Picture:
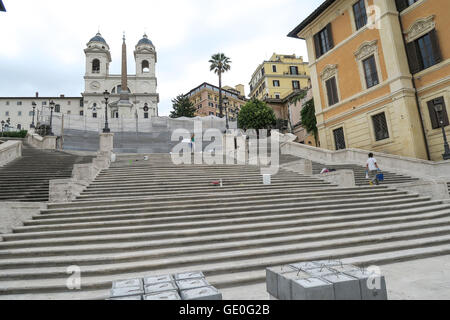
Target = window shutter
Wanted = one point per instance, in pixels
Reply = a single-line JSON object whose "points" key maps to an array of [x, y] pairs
{"points": [[329, 93], [317, 45], [433, 115], [435, 44], [414, 64], [334, 88], [330, 36], [401, 5], [440, 100]]}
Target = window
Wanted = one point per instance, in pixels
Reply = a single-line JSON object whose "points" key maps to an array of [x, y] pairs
{"points": [[332, 91], [81, 113], [19, 113], [263, 72], [145, 115], [296, 84], [7, 113], [274, 68], [69, 103], [7, 103], [19, 103], [44, 103], [293, 70], [277, 96], [145, 66], [81, 103], [403, 4], [323, 41], [69, 112], [438, 116], [94, 114], [380, 127], [276, 83], [57, 108], [19, 127], [359, 10], [95, 66], [30, 113], [339, 139], [370, 72], [424, 52]]}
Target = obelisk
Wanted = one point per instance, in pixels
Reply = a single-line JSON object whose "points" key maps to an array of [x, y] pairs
{"points": [[124, 92]]}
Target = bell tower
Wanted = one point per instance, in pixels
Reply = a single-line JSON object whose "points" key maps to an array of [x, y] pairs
{"points": [[98, 57], [145, 56]]}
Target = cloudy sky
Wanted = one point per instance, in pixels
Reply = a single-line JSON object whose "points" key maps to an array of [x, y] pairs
{"points": [[42, 41]]}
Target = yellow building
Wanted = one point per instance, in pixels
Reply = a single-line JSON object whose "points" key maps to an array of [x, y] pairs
{"points": [[279, 77], [205, 98], [380, 72]]}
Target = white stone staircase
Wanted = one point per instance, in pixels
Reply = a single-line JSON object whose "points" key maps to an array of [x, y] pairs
{"points": [[152, 217]]}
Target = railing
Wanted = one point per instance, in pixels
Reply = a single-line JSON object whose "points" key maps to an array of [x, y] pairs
{"points": [[9, 151], [408, 166]]}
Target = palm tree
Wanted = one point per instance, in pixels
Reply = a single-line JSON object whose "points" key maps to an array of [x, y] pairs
{"points": [[220, 64]]}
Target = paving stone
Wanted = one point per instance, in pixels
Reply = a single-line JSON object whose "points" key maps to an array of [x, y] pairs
{"points": [[272, 278], [367, 282], [312, 289], [203, 293], [127, 298], [166, 295], [127, 283], [284, 283], [345, 287], [189, 275], [160, 287], [157, 279], [192, 284], [127, 291]]}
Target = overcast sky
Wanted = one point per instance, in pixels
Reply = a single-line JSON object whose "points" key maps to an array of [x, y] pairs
{"points": [[42, 41]]}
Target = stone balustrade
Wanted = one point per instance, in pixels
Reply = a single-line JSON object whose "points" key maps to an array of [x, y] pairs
{"points": [[9, 151], [44, 143]]}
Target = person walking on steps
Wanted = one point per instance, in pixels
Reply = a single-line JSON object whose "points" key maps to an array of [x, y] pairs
{"points": [[372, 170]]}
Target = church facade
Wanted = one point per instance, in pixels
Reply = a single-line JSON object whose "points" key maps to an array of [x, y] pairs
{"points": [[131, 96]]}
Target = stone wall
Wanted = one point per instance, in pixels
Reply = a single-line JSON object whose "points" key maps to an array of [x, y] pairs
{"points": [[45, 143], [13, 214], [9, 151]]}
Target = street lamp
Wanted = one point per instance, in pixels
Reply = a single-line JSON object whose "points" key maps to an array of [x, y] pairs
{"points": [[52, 105], [34, 108], [225, 102], [439, 111], [106, 95], [3, 125]]}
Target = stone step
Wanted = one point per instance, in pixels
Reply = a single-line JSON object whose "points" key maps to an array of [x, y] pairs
{"points": [[406, 230], [216, 210], [127, 235], [55, 280], [52, 215], [148, 221], [341, 221]]}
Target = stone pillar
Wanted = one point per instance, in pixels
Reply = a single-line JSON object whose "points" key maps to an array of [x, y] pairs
{"points": [[106, 142], [49, 143]]}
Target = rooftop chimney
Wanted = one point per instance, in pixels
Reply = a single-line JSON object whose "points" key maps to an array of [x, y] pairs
{"points": [[37, 94]]}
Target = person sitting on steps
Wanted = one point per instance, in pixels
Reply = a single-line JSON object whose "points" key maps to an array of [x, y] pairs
{"points": [[372, 170]]}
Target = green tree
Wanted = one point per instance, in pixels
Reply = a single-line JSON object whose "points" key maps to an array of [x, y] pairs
{"points": [[256, 114], [308, 116], [182, 107], [220, 64]]}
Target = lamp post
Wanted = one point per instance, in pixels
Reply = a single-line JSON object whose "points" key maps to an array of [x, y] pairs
{"points": [[106, 95], [52, 105], [3, 125], [439, 111], [225, 102], [34, 108]]}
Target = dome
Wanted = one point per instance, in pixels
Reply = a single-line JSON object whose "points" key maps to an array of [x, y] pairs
{"points": [[145, 40], [98, 38]]}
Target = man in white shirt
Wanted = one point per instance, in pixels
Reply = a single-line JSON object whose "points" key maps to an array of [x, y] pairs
{"points": [[372, 169]]}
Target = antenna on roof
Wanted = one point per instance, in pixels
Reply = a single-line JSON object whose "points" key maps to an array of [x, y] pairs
{"points": [[2, 6]]}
